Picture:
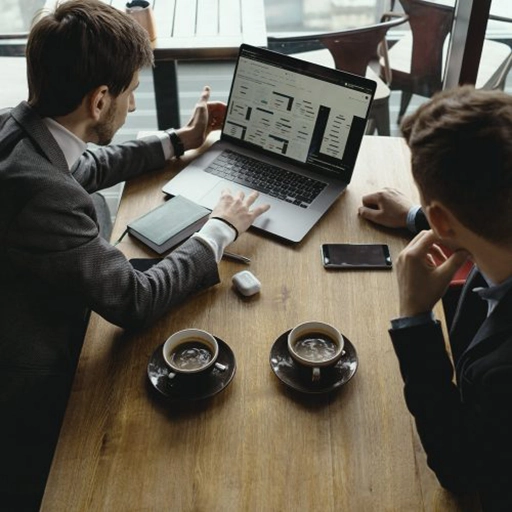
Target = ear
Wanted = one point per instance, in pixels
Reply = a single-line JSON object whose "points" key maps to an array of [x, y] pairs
{"points": [[98, 101], [441, 220]]}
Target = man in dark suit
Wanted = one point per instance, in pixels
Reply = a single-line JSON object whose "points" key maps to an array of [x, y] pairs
{"points": [[461, 148], [83, 62]]}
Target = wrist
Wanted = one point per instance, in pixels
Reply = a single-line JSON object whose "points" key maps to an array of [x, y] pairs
{"points": [[187, 138], [176, 143], [410, 310]]}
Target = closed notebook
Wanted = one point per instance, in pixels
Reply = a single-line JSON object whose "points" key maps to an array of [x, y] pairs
{"points": [[169, 224]]}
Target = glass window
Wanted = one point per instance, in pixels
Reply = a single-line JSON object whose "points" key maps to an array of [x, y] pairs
{"points": [[321, 15], [17, 15]]}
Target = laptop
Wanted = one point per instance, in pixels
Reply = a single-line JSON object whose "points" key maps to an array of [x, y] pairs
{"points": [[292, 132]]}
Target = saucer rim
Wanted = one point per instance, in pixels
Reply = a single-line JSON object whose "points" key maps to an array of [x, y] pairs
{"points": [[303, 389], [223, 347]]}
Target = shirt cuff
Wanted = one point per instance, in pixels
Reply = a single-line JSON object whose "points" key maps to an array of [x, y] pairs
{"points": [[411, 218], [166, 145], [413, 321], [217, 235]]}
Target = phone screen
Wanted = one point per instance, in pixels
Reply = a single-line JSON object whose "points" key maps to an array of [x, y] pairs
{"points": [[354, 256]]}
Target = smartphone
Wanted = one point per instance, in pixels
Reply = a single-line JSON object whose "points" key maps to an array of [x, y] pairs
{"points": [[356, 256]]}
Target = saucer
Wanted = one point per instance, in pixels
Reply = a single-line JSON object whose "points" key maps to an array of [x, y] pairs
{"points": [[188, 387], [292, 374]]}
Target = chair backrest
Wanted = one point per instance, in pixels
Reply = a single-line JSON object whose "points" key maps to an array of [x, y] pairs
{"points": [[430, 25], [351, 49]]}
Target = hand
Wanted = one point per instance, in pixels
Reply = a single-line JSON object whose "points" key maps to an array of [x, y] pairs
{"points": [[388, 207], [236, 209], [207, 116], [424, 273]]}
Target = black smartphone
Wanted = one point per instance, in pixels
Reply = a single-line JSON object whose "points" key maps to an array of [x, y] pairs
{"points": [[356, 256]]}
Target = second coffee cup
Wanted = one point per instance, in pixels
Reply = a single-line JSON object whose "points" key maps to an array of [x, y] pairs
{"points": [[315, 345]]}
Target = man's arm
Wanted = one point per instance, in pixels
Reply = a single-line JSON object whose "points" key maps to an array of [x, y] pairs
{"points": [[109, 165], [55, 236], [104, 167], [466, 439], [450, 430]]}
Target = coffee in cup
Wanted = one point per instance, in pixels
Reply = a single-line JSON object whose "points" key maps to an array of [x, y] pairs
{"points": [[315, 345], [191, 352]]}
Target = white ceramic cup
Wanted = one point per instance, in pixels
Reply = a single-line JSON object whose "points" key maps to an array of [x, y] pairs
{"points": [[173, 352], [315, 345]]}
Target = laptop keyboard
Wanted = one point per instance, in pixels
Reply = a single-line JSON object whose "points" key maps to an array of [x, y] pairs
{"points": [[269, 179]]}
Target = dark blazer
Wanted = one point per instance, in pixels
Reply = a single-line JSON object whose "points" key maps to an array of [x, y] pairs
{"points": [[465, 426], [54, 268], [420, 221]]}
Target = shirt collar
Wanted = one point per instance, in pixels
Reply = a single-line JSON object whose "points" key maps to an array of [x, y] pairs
{"points": [[69, 143], [495, 292]]}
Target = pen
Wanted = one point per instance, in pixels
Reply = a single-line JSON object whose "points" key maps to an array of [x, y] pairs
{"points": [[236, 257]]}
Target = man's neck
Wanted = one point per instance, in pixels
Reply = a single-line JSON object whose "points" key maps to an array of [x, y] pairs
{"points": [[71, 145], [75, 124], [494, 261]]}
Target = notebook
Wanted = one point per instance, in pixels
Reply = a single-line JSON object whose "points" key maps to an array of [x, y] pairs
{"points": [[292, 131]]}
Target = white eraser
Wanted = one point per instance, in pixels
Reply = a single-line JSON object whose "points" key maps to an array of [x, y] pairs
{"points": [[246, 283]]}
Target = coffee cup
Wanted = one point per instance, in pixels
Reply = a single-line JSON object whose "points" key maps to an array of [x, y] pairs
{"points": [[191, 352], [142, 12], [316, 346]]}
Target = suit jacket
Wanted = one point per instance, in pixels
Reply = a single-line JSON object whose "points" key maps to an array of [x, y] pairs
{"points": [[420, 221], [54, 267], [465, 426]]}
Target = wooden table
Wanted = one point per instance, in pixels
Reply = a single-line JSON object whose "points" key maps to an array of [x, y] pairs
{"points": [[256, 446]]}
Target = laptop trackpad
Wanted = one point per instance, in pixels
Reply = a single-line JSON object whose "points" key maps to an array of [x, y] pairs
{"points": [[212, 197]]}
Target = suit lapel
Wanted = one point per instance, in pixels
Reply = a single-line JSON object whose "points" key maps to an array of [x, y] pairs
{"points": [[25, 115], [475, 330], [498, 322], [469, 316]]}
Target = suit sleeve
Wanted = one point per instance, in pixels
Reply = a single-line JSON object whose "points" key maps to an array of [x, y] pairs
{"points": [[420, 221], [106, 166], [56, 239], [466, 438]]}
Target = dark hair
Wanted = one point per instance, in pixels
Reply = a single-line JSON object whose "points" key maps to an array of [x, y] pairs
{"points": [[461, 155], [82, 45]]}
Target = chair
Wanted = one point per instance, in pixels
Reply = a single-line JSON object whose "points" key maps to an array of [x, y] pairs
{"points": [[349, 50], [417, 60]]}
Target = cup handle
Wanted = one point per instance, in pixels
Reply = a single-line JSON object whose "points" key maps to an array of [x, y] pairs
{"points": [[221, 367], [315, 375]]}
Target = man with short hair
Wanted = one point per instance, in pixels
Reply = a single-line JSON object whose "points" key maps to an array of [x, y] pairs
{"points": [[461, 151], [83, 62]]}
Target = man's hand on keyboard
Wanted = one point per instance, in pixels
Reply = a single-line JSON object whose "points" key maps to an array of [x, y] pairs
{"points": [[236, 209]]}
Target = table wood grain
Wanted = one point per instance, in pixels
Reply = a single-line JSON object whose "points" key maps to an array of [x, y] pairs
{"points": [[256, 446]]}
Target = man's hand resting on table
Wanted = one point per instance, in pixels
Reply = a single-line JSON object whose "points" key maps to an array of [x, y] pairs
{"points": [[421, 281], [207, 116], [388, 207]]}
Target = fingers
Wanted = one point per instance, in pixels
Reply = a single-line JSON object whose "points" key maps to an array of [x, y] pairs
{"points": [[251, 198], [370, 199], [216, 114], [258, 210], [426, 244], [205, 94], [455, 261], [237, 208], [369, 213]]}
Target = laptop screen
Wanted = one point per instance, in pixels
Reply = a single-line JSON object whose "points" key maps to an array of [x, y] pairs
{"points": [[301, 112]]}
